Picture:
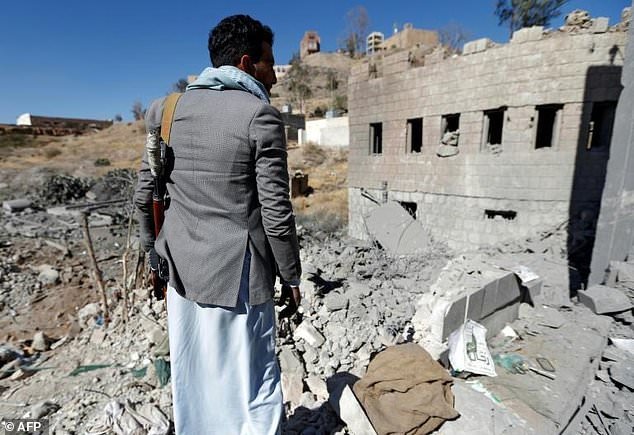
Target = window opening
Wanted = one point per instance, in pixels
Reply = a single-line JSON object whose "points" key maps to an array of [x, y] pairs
{"points": [[601, 124], [508, 215], [450, 129], [376, 138], [494, 120], [547, 123], [415, 135]]}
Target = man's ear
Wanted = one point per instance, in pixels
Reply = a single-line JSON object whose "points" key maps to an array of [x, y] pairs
{"points": [[246, 64]]}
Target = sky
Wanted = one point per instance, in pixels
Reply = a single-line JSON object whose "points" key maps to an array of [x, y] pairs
{"points": [[87, 59]]}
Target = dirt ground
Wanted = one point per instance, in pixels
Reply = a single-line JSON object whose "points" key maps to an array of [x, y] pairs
{"points": [[29, 160]]}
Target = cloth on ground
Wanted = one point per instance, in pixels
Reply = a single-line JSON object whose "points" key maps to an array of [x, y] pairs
{"points": [[405, 391]]}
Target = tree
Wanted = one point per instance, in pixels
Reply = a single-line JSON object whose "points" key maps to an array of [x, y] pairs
{"points": [[357, 24], [118, 118], [138, 112], [453, 36], [297, 82], [180, 85], [527, 13]]}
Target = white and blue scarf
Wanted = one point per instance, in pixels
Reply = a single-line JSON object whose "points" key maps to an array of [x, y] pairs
{"points": [[229, 77]]}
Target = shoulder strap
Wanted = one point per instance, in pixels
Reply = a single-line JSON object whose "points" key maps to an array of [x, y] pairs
{"points": [[168, 115]]}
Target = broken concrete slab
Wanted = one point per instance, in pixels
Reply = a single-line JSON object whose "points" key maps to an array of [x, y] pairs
{"points": [[482, 415], [467, 288], [621, 272], [15, 205], [352, 413], [603, 299], [574, 349], [526, 34], [309, 334], [476, 46], [623, 373], [396, 230], [600, 25], [292, 388]]}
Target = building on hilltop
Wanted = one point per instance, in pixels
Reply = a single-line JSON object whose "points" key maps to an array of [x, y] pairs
{"points": [[410, 37], [493, 144], [281, 70], [374, 43], [309, 44]]}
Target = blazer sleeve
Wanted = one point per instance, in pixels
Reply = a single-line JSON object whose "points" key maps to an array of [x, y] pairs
{"points": [[145, 183], [271, 172]]}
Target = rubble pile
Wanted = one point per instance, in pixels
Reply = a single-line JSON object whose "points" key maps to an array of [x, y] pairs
{"points": [[60, 358]]}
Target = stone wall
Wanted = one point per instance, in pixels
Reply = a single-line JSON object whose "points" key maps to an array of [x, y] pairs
{"points": [[542, 186]]}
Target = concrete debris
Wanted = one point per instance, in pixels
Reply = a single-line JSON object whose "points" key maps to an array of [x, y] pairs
{"points": [[621, 272], [482, 415], [42, 409], [527, 34], [40, 342], [623, 373], [88, 314], [358, 300], [126, 419], [352, 413], [626, 344], [48, 275], [603, 300], [16, 205], [467, 288], [574, 350], [600, 25], [578, 18], [396, 230], [309, 334]]}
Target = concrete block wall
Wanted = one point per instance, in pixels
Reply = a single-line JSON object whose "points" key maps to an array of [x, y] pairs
{"points": [[571, 70], [328, 132]]}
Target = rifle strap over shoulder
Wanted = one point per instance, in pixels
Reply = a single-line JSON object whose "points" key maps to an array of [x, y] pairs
{"points": [[168, 115]]}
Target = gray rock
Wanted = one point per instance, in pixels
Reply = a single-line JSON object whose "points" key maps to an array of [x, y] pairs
{"points": [[309, 333], [16, 205], [602, 299], [42, 409], [623, 373], [40, 342], [48, 275], [335, 301], [290, 361], [88, 314]]}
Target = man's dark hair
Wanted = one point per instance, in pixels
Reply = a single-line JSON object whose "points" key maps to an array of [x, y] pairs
{"points": [[236, 36]]}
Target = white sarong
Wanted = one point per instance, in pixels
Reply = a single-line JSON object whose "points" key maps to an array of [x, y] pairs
{"points": [[225, 378]]}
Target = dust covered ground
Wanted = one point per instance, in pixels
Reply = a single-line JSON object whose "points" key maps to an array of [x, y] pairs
{"points": [[61, 358]]}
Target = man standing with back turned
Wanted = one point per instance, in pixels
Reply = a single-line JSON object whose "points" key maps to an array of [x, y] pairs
{"points": [[228, 230]]}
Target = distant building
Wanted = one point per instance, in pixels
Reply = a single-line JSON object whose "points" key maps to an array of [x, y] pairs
{"points": [[309, 44], [26, 119], [410, 37], [373, 43], [281, 70]]}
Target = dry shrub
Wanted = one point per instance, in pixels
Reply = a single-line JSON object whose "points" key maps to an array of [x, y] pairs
{"points": [[313, 155], [49, 153]]}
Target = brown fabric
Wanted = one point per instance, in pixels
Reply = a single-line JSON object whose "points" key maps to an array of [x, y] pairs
{"points": [[405, 391], [168, 115]]}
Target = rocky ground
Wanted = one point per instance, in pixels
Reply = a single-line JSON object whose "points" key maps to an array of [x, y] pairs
{"points": [[62, 357]]}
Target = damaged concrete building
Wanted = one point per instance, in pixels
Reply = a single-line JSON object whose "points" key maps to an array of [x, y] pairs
{"points": [[494, 143]]}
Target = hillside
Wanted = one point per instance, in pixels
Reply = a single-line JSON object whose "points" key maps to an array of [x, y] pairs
{"points": [[318, 66]]}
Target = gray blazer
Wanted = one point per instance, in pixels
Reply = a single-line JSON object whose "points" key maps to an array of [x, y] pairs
{"points": [[229, 190]]}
